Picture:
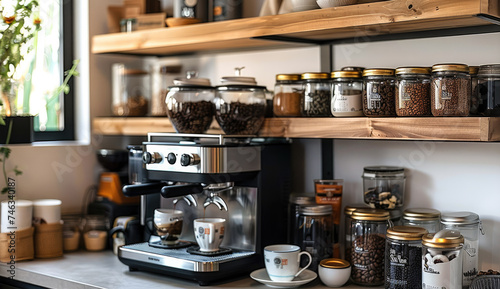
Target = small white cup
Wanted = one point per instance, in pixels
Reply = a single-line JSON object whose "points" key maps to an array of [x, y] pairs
{"points": [[16, 215], [47, 211], [282, 262], [209, 233], [168, 224]]}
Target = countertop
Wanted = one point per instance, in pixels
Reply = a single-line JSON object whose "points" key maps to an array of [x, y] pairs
{"points": [[85, 270]]}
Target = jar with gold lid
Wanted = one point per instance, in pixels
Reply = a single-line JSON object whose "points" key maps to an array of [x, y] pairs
{"points": [[450, 90], [378, 93], [316, 100], [347, 92], [403, 257], [423, 217], [287, 95], [413, 91]]}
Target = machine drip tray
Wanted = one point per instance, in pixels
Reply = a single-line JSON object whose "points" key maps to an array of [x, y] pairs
{"points": [[181, 244], [196, 250]]}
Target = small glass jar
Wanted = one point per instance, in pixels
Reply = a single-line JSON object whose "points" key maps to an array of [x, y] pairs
{"points": [[442, 260], [368, 229], [295, 203], [422, 217], [316, 100], [470, 227], [315, 233], [347, 93], [95, 232], [347, 243], [450, 90], [489, 90], [384, 186], [287, 95], [71, 232], [403, 257], [378, 92], [413, 91], [130, 91], [474, 97]]}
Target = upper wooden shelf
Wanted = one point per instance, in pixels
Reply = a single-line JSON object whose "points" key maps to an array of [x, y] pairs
{"points": [[472, 129], [314, 26]]}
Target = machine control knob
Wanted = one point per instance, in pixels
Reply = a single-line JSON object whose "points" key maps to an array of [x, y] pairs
{"points": [[189, 160], [151, 158], [171, 158]]}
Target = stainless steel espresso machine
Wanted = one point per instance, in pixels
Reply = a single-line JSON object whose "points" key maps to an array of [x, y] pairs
{"points": [[245, 180]]}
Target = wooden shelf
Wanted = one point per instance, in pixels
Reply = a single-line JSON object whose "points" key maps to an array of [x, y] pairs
{"points": [[301, 28], [473, 129]]}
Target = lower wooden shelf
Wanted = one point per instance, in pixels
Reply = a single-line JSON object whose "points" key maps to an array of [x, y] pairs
{"points": [[472, 129]]}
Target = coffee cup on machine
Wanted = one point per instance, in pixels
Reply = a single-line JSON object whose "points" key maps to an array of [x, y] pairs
{"points": [[168, 224], [209, 233], [282, 262]]}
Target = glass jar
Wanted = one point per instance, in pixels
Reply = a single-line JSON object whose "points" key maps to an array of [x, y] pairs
{"points": [[470, 227], [474, 97], [161, 80], [422, 217], [315, 233], [368, 229], [413, 91], [316, 100], [130, 91], [442, 260], [403, 257], [384, 186], [489, 90], [450, 90], [347, 92], [71, 232], [347, 243], [287, 95], [295, 203], [378, 92], [95, 232]]}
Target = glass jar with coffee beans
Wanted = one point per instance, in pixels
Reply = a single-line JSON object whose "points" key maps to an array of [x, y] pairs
{"points": [[413, 91], [347, 93], [316, 100], [450, 90], [489, 90], [403, 257], [378, 92], [287, 95], [368, 230]]}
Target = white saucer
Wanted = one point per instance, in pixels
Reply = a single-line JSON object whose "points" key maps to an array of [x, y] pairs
{"points": [[262, 277]]}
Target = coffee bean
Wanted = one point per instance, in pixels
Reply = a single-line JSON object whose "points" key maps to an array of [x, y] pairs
{"points": [[450, 96], [191, 117], [413, 98], [378, 98], [240, 118], [367, 257], [316, 103]]}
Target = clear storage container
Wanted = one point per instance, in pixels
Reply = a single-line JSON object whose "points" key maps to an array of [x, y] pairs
{"points": [[450, 90], [378, 92], [413, 91], [384, 186], [287, 95], [423, 217], [489, 90], [162, 80], [316, 100], [295, 203], [347, 93], [95, 232], [130, 91]]}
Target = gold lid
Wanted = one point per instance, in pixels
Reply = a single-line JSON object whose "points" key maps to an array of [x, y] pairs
{"points": [[315, 75], [345, 74], [349, 209], [413, 70], [378, 71], [473, 69], [407, 233], [450, 67], [421, 214], [370, 215], [334, 263], [287, 76], [443, 239]]}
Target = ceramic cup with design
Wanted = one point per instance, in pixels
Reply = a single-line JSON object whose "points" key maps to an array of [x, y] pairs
{"points": [[209, 233], [168, 224], [282, 262]]}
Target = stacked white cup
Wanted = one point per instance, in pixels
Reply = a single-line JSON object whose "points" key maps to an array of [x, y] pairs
{"points": [[16, 215]]}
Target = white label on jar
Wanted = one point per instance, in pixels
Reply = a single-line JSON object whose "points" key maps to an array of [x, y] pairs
{"points": [[444, 93], [470, 261], [441, 275], [347, 103], [374, 101]]}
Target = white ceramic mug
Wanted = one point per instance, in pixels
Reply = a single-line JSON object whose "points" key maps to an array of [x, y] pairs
{"points": [[16, 215], [46, 211], [209, 233], [168, 224], [282, 262]]}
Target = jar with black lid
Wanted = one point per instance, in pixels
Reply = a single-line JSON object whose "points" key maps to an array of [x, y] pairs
{"points": [[378, 93], [413, 91], [347, 90], [403, 257], [316, 100], [488, 88], [368, 230], [450, 90], [287, 95], [474, 97], [423, 217]]}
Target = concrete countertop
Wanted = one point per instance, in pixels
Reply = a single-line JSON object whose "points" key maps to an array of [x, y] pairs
{"points": [[90, 270]]}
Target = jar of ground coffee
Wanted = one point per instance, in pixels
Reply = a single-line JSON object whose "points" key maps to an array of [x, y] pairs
{"points": [[347, 88], [368, 230], [450, 90], [316, 100], [489, 90], [378, 93], [413, 91], [287, 95]]}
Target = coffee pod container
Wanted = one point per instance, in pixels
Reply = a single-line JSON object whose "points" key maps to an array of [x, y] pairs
{"points": [[423, 217], [368, 231], [470, 227], [442, 260], [403, 257]]}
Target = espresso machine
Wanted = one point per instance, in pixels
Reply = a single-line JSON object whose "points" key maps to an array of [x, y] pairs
{"points": [[245, 180]]}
